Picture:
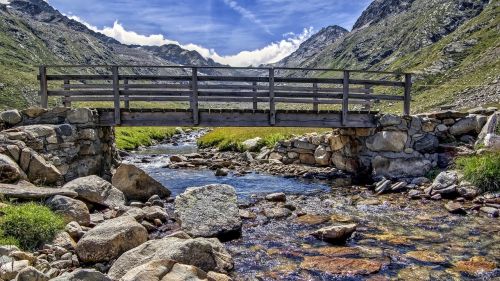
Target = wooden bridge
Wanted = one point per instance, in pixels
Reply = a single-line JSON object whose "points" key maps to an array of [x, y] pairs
{"points": [[224, 96]]}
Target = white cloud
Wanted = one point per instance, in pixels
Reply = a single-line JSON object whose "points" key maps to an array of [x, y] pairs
{"points": [[247, 14], [271, 53], [5, 2]]}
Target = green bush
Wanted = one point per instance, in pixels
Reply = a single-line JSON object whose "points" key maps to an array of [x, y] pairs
{"points": [[482, 170], [30, 225], [129, 138]]}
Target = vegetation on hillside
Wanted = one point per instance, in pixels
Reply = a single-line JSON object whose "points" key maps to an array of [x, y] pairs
{"points": [[482, 170], [129, 138], [28, 225], [232, 138]]}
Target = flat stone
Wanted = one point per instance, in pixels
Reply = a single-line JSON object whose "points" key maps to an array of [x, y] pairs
{"points": [[390, 120], [110, 239], [312, 219], [164, 270], [335, 233], [476, 265], [276, 197], [494, 212], [278, 212], [394, 141], [426, 256], [454, 207], [96, 190], [341, 266], [82, 275], [208, 254], [32, 192]]}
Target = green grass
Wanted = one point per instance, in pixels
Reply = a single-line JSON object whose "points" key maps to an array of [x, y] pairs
{"points": [[226, 139], [482, 170], [28, 225], [129, 138]]}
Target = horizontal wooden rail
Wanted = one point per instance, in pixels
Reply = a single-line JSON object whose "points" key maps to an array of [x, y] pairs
{"points": [[190, 84]]}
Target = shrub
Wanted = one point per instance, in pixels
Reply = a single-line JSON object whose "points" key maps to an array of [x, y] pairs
{"points": [[30, 224], [482, 170]]}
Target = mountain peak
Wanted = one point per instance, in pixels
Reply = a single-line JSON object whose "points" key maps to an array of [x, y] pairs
{"points": [[381, 9]]}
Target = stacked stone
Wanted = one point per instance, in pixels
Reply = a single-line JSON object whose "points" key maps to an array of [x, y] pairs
{"points": [[399, 147], [58, 145]]}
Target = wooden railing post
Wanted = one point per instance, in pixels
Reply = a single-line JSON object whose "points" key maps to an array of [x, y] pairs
{"points": [[254, 90], [407, 97], [125, 87], [345, 98], [194, 96], [272, 105], [66, 101], [315, 99], [44, 97], [116, 92]]}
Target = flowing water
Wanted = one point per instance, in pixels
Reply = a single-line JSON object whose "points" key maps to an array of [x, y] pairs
{"points": [[396, 239]]}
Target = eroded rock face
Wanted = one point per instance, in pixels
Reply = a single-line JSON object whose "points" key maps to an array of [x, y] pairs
{"points": [[387, 141], [159, 270], [208, 211], [206, 254], [10, 172], [70, 209], [110, 239], [136, 184], [96, 190]]}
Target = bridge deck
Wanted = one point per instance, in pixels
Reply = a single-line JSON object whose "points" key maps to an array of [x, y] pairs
{"points": [[265, 90], [237, 118]]}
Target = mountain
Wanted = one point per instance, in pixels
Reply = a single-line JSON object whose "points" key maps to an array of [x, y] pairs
{"points": [[313, 46], [452, 46], [33, 33]]}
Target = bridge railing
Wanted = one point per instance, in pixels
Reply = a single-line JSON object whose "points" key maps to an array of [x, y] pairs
{"points": [[197, 85]]}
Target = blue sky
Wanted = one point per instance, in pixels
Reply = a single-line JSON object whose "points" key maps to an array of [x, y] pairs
{"points": [[217, 28]]}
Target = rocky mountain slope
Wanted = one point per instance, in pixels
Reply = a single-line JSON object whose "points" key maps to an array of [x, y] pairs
{"points": [[33, 33], [452, 46]]}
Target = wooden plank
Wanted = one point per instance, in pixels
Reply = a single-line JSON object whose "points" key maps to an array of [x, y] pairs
{"points": [[88, 86], [407, 95], [194, 97], [375, 97], [66, 102], [233, 94], [254, 90], [233, 78], [156, 77], [116, 93], [81, 93], [315, 99], [307, 95], [308, 80], [125, 86], [319, 101], [44, 97], [146, 92], [63, 77], [345, 98], [234, 99], [272, 105], [158, 86], [376, 83]]}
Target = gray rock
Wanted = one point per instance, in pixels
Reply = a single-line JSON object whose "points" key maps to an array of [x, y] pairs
{"points": [[322, 156], [276, 197], [494, 212], [31, 274], [206, 254], [83, 275], [454, 207], [79, 116], [304, 144], [96, 190], [10, 172], [110, 239], [335, 233], [251, 144], [467, 125], [427, 144], [387, 141], [11, 117], [42, 171], [70, 209], [10, 270], [137, 184], [159, 270], [221, 172], [74, 230], [276, 213], [390, 120], [400, 167], [444, 180], [5, 250], [208, 211]]}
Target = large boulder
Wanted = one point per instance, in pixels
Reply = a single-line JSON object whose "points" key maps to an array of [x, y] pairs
{"points": [[207, 254], [252, 144], [160, 270], [427, 144], [136, 184], [469, 124], [400, 167], [9, 170], [387, 141], [11, 117], [70, 209], [110, 239], [31, 274], [38, 169], [208, 211], [96, 190], [82, 275], [444, 180]]}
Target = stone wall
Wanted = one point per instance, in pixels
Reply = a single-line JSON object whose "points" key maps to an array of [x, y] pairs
{"points": [[58, 145], [399, 147]]}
